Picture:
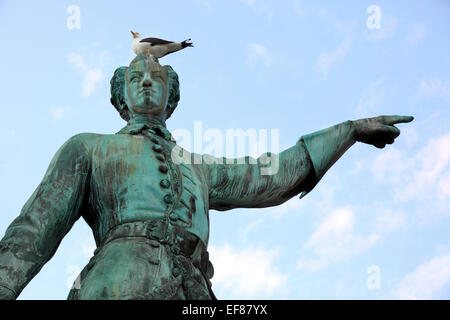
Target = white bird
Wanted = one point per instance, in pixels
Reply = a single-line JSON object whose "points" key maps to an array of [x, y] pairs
{"points": [[156, 47]]}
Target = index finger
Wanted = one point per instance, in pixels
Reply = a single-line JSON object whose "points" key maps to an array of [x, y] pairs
{"points": [[390, 120]]}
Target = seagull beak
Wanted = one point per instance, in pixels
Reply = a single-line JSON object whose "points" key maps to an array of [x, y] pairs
{"points": [[133, 33]]}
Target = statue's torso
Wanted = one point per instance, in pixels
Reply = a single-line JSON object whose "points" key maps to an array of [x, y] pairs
{"points": [[133, 178]]}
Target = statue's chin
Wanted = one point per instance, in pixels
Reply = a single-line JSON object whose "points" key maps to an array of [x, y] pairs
{"points": [[149, 109]]}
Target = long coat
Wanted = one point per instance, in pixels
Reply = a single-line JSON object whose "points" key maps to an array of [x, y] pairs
{"points": [[149, 211]]}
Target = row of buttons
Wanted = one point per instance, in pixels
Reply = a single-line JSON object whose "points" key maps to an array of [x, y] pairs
{"points": [[164, 183], [163, 168]]}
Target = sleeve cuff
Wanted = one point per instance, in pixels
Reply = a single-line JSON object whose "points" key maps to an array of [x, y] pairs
{"points": [[325, 147]]}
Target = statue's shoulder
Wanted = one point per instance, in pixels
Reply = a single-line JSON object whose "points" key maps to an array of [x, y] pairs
{"points": [[84, 144], [86, 140], [91, 140]]}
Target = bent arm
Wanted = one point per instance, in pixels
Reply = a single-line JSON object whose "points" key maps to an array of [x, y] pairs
{"points": [[33, 237], [299, 169]]}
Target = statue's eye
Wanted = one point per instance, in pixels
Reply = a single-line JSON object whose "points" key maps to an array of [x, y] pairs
{"points": [[134, 77], [157, 74]]}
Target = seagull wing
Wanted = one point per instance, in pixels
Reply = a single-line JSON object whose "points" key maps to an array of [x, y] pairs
{"points": [[155, 41]]}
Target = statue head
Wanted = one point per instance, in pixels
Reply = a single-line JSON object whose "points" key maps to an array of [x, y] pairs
{"points": [[145, 88]]}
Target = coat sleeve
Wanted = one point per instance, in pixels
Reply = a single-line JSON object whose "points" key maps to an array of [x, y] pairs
{"points": [[272, 179], [33, 237]]}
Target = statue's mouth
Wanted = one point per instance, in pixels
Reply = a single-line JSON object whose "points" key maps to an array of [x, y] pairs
{"points": [[147, 91]]}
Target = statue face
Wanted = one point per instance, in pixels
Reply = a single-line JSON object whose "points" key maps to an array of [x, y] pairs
{"points": [[146, 90]]}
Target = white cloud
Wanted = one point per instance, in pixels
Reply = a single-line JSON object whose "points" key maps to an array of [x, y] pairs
{"points": [[417, 33], [435, 88], [322, 13], [245, 272], [57, 113], [204, 3], [298, 7], [334, 240], [424, 175], [77, 60], [336, 225], [252, 226], [294, 206], [389, 220], [427, 281], [88, 247], [258, 55], [346, 26], [249, 2], [104, 58], [371, 97], [388, 27], [74, 276], [426, 170], [444, 187], [327, 59], [389, 165], [260, 7], [92, 76]]}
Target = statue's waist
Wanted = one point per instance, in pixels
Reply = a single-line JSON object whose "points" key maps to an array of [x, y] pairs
{"points": [[160, 232]]}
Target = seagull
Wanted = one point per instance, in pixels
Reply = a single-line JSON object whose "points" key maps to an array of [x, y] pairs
{"points": [[156, 47]]}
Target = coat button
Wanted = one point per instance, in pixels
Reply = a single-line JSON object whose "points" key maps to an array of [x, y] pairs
{"points": [[164, 183], [168, 198], [175, 250], [154, 140], [154, 243], [157, 148], [163, 168], [160, 157], [176, 271]]}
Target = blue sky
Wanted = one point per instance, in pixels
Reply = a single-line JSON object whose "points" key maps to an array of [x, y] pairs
{"points": [[378, 216]]}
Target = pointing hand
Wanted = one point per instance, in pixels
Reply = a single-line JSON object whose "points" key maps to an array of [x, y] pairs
{"points": [[379, 131]]}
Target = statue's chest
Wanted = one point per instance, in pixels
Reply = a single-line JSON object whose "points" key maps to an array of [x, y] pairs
{"points": [[144, 171]]}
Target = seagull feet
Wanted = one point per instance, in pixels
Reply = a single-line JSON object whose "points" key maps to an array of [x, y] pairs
{"points": [[152, 57], [187, 43]]}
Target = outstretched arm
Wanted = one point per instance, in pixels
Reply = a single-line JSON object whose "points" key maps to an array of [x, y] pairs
{"points": [[266, 181], [300, 167], [326, 146], [33, 237]]}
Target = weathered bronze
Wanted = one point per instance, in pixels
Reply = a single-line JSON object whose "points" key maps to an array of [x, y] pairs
{"points": [[147, 209]]}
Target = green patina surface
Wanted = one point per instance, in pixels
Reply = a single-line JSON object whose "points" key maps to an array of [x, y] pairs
{"points": [[149, 211]]}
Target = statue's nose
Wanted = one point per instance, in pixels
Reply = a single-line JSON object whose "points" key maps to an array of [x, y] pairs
{"points": [[147, 82]]}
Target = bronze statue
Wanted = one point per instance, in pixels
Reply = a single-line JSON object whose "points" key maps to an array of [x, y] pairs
{"points": [[149, 211]]}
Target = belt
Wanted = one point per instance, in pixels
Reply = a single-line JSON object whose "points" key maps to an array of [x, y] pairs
{"points": [[178, 239], [153, 230]]}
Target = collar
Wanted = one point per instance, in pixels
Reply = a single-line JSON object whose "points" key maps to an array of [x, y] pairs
{"points": [[137, 128]]}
